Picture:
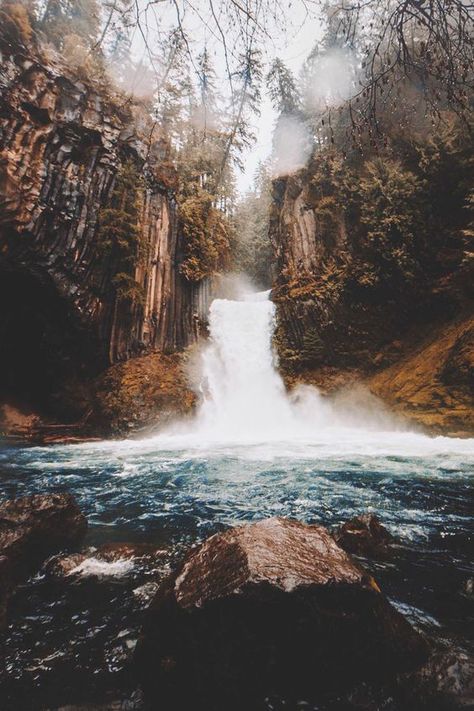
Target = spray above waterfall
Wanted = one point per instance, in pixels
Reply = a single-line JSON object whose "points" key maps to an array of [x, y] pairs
{"points": [[246, 411]]}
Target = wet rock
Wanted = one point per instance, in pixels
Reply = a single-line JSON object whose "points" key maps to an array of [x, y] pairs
{"points": [[270, 609], [31, 528], [445, 682], [363, 535], [468, 589], [61, 566], [108, 560], [148, 391]]}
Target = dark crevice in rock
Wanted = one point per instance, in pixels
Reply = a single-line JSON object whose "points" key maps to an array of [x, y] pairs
{"points": [[43, 345]]}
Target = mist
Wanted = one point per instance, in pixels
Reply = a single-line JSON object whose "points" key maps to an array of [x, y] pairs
{"points": [[330, 79], [292, 145]]}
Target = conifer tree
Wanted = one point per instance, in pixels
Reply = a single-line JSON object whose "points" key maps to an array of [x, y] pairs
{"points": [[71, 17], [119, 233], [282, 88]]}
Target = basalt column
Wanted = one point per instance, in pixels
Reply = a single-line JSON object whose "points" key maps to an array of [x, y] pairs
{"points": [[64, 141]]}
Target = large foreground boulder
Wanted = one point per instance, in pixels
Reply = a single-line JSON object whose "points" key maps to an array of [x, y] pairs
{"points": [[270, 609], [32, 528]]}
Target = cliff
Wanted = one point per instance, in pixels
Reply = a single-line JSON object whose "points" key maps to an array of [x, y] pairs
{"points": [[374, 274], [66, 142]]}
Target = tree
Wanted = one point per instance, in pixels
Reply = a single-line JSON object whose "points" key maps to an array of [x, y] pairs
{"points": [[206, 114], [65, 17], [427, 44], [252, 251], [282, 88], [119, 57], [245, 103], [174, 89], [119, 234]]}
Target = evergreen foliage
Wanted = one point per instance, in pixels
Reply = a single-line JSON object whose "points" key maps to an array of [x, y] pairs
{"points": [[207, 237], [119, 236], [253, 251], [71, 17], [283, 89]]}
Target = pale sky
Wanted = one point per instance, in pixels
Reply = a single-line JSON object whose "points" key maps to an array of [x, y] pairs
{"points": [[292, 46], [293, 50]]}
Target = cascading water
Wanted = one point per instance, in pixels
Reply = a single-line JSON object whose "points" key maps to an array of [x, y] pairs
{"points": [[244, 397], [244, 400], [243, 392]]}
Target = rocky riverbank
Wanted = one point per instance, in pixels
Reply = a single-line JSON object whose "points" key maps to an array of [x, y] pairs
{"points": [[260, 616]]}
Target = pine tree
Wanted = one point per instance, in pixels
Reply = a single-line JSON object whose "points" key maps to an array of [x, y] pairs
{"points": [[71, 17], [283, 89], [119, 233], [253, 252]]}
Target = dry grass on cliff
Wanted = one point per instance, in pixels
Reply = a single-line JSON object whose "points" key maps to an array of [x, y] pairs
{"points": [[433, 385]]}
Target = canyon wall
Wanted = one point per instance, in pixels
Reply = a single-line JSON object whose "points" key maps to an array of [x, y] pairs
{"points": [[63, 140], [374, 280]]}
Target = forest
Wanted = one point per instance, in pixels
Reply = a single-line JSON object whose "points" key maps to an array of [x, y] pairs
{"points": [[236, 355]]}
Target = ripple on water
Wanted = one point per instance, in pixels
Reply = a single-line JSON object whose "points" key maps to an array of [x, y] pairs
{"points": [[174, 497]]}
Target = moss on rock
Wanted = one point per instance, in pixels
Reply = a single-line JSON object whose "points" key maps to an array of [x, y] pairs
{"points": [[148, 391]]}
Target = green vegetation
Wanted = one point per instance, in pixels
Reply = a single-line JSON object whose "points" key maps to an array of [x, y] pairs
{"points": [[252, 249], [119, 240], [207, 235]]}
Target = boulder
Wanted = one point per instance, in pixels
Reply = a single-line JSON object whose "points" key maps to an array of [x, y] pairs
{"points": [[363, 535], [32, 528], [275, 608]]}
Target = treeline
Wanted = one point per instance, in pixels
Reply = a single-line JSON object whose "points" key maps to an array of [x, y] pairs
{"points": [[385, 144], [389, 179], [179, 109], [383, 100]]}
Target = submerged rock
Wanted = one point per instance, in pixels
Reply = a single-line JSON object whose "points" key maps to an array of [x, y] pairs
{"points": [[108, 560], [31, 528], [363, 535], [273, 608]]}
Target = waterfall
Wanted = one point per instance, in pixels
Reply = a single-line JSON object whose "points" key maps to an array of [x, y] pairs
{"points": [[244, 398], [243, 393]]}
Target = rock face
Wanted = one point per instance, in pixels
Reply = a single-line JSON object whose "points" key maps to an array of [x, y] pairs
{"points": [[270, 609], [363, 535], [362, 306], [147, 391], [63, 141], [32, 528], [432, 384]]}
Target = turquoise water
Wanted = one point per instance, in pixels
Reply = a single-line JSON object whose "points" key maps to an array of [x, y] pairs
{"points": [[136, 489], [72, 642]]}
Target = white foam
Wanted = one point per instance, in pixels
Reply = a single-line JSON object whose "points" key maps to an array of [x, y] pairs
{"points": [[247, 413], [102, 569]]}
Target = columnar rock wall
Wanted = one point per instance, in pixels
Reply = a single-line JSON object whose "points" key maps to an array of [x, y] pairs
{"points": [[62, 141], [398, 316]]}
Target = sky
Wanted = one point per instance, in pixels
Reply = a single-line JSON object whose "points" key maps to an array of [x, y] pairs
{"points": [[302, 28], [293, 50]]}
